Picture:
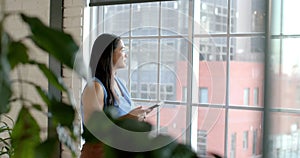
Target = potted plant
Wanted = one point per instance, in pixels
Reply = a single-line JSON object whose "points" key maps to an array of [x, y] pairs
{"points": [[24, 137]]}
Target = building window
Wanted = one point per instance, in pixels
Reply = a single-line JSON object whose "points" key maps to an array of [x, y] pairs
{"points": [[201, 143], [246, 96], [245, 140], [256, 96], [166, 92], [298, 95], [233, 145], [184, 94], [254, 146], [149, 91], [145, 91], [163, 130], [203, 95], [133, 90]]}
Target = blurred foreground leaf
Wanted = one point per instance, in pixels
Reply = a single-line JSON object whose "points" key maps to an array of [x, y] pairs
{"points": [[62, 113], [25, 135], [17, 54], [55, 42], [108, 131], [47, 148], [52, 78]]}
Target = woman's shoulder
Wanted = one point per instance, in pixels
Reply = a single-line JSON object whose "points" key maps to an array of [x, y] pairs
{"points": [[93, 85], [94, 79]]}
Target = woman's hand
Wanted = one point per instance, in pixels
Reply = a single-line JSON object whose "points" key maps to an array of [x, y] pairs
{"points": [[137, 113]]}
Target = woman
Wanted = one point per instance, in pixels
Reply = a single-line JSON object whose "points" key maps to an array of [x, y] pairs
{"points": [[105, 89]]}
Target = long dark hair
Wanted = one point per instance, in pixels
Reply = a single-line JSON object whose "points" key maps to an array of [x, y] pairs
{"points": [[101, 63]]}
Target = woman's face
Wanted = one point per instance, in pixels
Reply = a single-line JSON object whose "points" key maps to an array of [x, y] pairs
{"points": [[119, 56]]}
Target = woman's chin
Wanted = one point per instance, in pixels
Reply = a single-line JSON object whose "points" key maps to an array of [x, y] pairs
{"points": [[122, 66]]}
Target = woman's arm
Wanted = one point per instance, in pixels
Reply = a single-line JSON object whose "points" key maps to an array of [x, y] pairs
{"points": [[92, 99]]}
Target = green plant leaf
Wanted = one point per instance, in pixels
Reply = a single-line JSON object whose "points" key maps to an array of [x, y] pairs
{"points": [[57, 43], [183, 151], [37, 107], [52, 78], [166, 144], [62, 113], [134, 125], [17, 53], [47, 148], [43, 94], [25, 135]]}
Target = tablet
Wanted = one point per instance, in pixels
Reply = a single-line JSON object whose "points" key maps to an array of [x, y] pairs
{"points": [[153, 107]]}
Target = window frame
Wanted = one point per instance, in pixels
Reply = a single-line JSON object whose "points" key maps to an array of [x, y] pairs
{"points": [[227, 106]]}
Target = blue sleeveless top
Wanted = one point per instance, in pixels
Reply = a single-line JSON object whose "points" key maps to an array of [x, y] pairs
{"points": [[121, 106], [124, 103]]}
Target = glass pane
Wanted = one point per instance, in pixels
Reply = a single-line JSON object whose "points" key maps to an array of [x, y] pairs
{"points": [[285, 135], [174, 18], [173, 68], [213, 16], [246, 96], [203, 95], [285, 82], [256, 96], [276, 17], [275, 56], [123, 73], [246, 70], [114, 17], [212, 49], [290, 56], [210, 131], [212, 67], [171, 120], [145, 19], [241, 122], [245, 140], [247, 16], [144, 68], [289, 24]]}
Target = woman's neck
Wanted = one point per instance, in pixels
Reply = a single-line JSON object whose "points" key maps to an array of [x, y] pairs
{"points": [[114, 72]]}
